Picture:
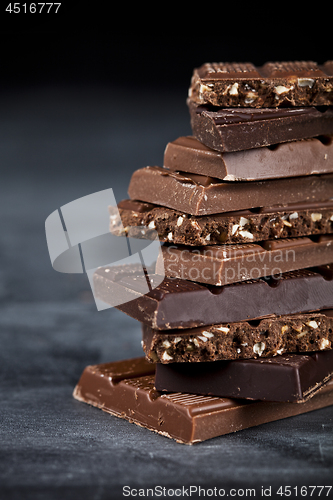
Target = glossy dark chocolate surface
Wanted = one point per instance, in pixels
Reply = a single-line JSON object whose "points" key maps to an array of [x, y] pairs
{"points": [[187, 418], [177, 303], [237, 129], [290, 377]]}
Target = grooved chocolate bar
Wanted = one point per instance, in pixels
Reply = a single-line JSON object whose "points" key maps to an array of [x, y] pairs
{"points": [[224, 264], [290, 377], [292, 83], [291, 159], [236, 129], [177, 303], [126, 389], [262, 338], [201, 195], [173, 226]]}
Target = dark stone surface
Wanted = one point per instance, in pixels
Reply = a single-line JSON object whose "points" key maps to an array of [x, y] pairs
{"points": [[56, 145]]}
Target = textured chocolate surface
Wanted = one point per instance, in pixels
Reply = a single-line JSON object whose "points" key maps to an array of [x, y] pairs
{"points": [[224, 264], [241, 340], [291, 159], [290, 377], [298, 219], [236, 129], [201, 195], [292, 83], [177, 303], [126, 389]]}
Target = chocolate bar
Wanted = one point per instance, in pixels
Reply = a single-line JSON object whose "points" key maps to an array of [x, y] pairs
{"points": [[236, 129], [201, 195], [291, 159], [126, 389], [262, 338], [292, 83], [290, 378], [177, 303], [223, 264], [289, 221]]}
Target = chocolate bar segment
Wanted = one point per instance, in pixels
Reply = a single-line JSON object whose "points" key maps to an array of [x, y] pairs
{"points": [[241, 340], [177, 303], [201, 195], [292, 83], [290, 221], [186, 418], [291, 159], [291, 378], [237, 129], [223, 264]]}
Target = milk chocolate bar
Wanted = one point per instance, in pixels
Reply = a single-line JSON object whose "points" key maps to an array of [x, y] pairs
{"points": [[291, 159], [126, 389], [177, 303], [236, 129], [223, 264], [291, 377], [289, 221], [260, 338], [201, 195], [292, 83]]}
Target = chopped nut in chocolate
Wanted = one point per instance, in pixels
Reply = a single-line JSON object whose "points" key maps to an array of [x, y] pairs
{"points": [[299, 219], [239, 340]]}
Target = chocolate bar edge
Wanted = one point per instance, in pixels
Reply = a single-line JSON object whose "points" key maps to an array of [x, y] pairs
{"points": [[211, 420], [215, 266], [160, 186], [161, 311], [286, 378], [240, 136]]}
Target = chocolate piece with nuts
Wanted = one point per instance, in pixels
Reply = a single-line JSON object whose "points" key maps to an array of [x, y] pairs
{"points": [[241, 340], [292, 83], [173, 226]]}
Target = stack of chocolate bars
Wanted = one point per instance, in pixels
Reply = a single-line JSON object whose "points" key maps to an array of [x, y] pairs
{"points": [[239, 332]]}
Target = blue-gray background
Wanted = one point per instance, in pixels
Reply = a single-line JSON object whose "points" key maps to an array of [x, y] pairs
{"points": [[80, 110]]}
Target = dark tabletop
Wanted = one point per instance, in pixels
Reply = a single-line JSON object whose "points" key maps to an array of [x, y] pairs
{"points": [[58, 144]]}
